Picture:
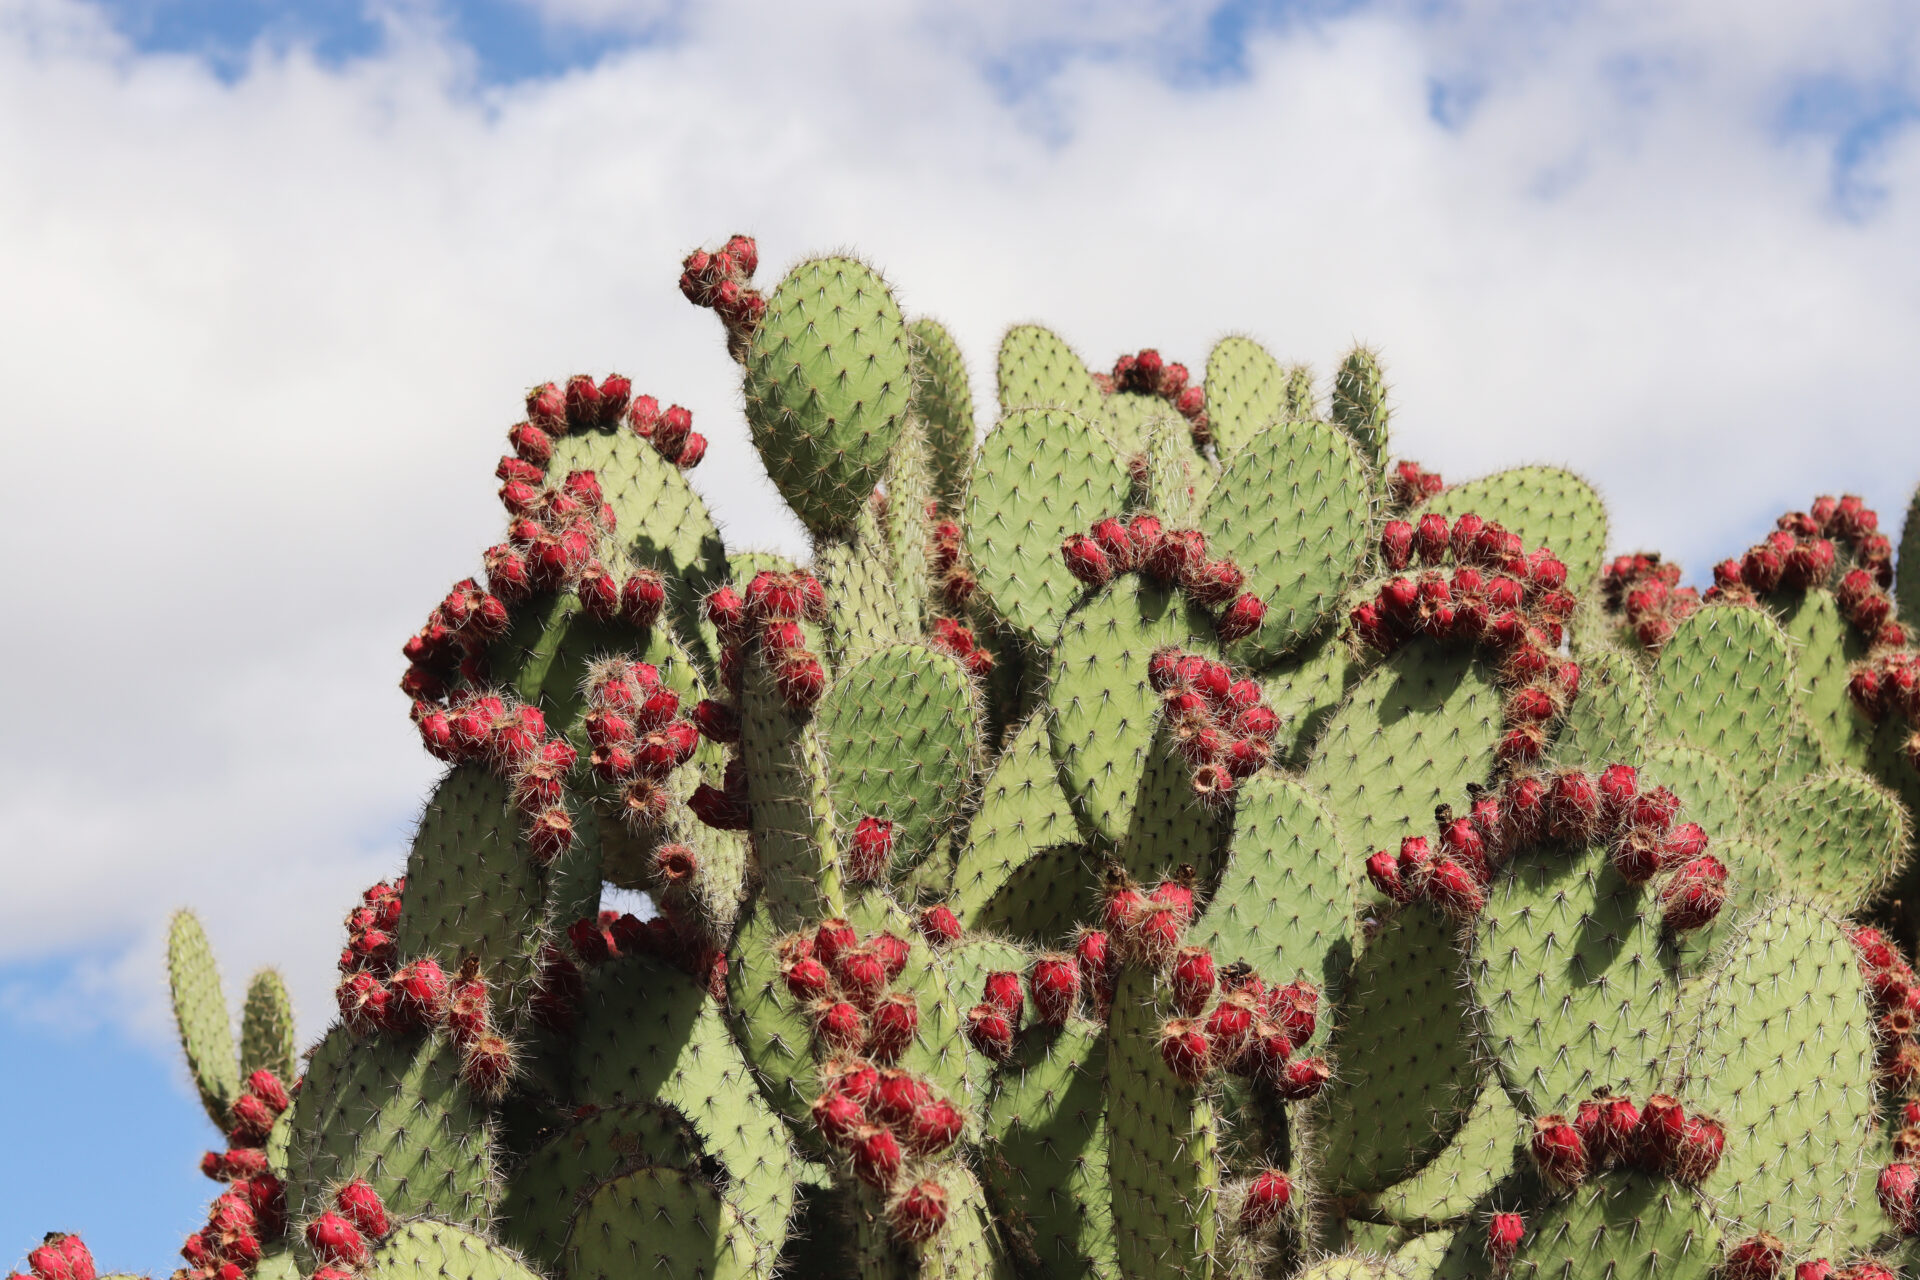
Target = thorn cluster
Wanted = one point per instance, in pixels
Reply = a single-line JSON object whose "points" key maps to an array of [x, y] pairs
{"points": [[1171, 558], [1648, 590], [722, 280], [1223, 728], [1408, 486], [1608, 1131], [1570, 807], [1147, 373]]}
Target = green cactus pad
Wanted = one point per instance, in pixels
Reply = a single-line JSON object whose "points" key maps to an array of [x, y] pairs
{"points": [[428, 1250], [943, 398], [1046, 1161], [649, 1033], [1422, 1255], [1170, 828], [1045, 897], [1133, 420], [909, 489], [1360, 404], [473, 886], [964, 1249], [1294, 510], [900, 731], [1721, 685], [1621, 1225], [1709, 793], [1039, 370], [1407, 1074], [1412, 735], [1163, 1163], [1022, 811], [1285, 901], [392, 1110], [1356, 1266], [200, 1013], [770, 1029], [1104, 713], [267, 1030], [546, 1189], [1825, 647], [1783, 1056], [1041, 474], [1575, 989], [1546, 507], [1607, 721], [969, 961], [1246, 390], [276, 1264], [1488, 1147], [1178, 479], [1306, 688], [864, 611], [1839, 836], [672, 1224], [794, 834], [1302, 404], [1906, 569], [545, 656], [1753, 880], [828, 382], [659, 521]]}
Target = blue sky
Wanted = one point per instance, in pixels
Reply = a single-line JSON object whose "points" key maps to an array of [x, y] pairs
{"points": [[302, 258]]}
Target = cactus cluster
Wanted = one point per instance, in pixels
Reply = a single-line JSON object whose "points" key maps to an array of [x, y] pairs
{"points": [[1166, 837]]}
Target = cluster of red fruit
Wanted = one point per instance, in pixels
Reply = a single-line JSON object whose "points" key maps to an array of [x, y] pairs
{"points": [[612, 935], [955, 582], [1170, 558], [340, 1237], [772, 609], [1147, 373], [845, 984], [582, 406], [1572, 807], [1648, 589], [638, 738], [1607, 1130], [722, 280], [1512, 603], [376, 998], [1764, 1257], [59, 1257], [1799, 554], [510, 737], [1222, 727], [1896, 1002], [252, 1212], [1408, 486], [949, 636]]}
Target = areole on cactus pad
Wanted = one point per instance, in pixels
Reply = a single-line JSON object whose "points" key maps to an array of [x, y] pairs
{"points": [[1156, 834]]}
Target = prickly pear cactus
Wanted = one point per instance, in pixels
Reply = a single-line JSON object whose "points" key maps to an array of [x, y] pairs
{"points": [[1156, 835]]}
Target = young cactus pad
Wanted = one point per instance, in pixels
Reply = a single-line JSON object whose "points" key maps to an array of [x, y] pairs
{"points": [[1156, 834]]}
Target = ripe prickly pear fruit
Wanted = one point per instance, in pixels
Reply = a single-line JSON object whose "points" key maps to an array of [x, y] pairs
{"points": [[1608, 1125], [1695, 895], [486, 1067], [419, 993], [1559, 1151], [938, 925], [919, 1212], [1663, 1126], [360, 1204], [1186, 1051], [1267, 1198], [1303, 1079], [1054, 985], [876, 1156], [62, 1256], [1192, 980], [990, 1031], [891, 1026], [934, 1125], [1087, 560], [871, 850], [334, 1239], [1698, 1155], [839, 1025], [1758, 1257], [837, 1115], [1899, 1192], [1505, 1231]]}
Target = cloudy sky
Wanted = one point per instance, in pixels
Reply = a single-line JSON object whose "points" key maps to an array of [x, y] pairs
{"points": [[277, 275]]}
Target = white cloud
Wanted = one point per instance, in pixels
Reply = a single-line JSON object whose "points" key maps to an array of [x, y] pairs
{"points": [[263, 337]]}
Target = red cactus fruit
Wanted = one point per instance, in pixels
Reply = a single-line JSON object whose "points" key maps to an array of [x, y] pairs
{"points": [[1455, 889], [487, 1066], [1899, 1192], [420, 993], [550, 834], [252, 1119], [990, 1031], [1396, 545], [1054, 984], [1695, 894], [62, 1256], [876, 1156], [334, 1239], [1266, 1053], [896, 1094], [1460, 839], [1093, 951], [1758, 1257], [1303, 1078], [1663, 1126], [1115, 543], [1192, 980], [360, 1204], [1505, 1231], [1688, 840], [1266, 1199], [1186, 1051], [1241, 618], [892, 1025], [934, 1125], [1295, 1008], [806, 978], [862, 975], [1559, 1151], [839, 1025], [1173, 553], [364, 1002], [1002, 990], [938, 925], [1212, 582], [1608, 1125], [837, 1115], [1574, 806], [1817, 1269], [1702, 1139], [800, 679], [919, 1212], [1432, 538], [1229, 1024], [870, 851], [1086, 560], [831, 938], [1384, 872], [1869, 1269], [642, 597]]}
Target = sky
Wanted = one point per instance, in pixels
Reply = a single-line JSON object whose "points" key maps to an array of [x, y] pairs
{"points": [[278, 275]]}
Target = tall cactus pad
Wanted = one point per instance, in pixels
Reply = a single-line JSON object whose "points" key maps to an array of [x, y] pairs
{"points": [[1721, 684], [1783, 1056], [1246, 391], [1039, 370], [663, 1222], [829, 380], [1360, 407], [1546, 506], [1608, 718], [1048, 1166], [1576, 990], [266, 1028], [1021, 812], [1826, 648], [1293, 510], [200, 1012], [547, 1190], [1840, 836], [943, 397], [1041, 474]]}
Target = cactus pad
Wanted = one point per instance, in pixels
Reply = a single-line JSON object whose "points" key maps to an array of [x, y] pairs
{"points": [[428, 1250], [1607, 720], [1022, 811], [1575, 988], [1721, 684], [1360, 404], [266, 1028], [201, 1015], [1546, 507], [1783, 1057], [1306, 688], [1246, 390], [943, 398], [1487, 1148], [1407, 1073], [1039, 370], [1709, 794], [1621, 1225], [670, 1223], [1840, 836], [1825, 648], [1041, 474], [899, 730], [1294, 510]]}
